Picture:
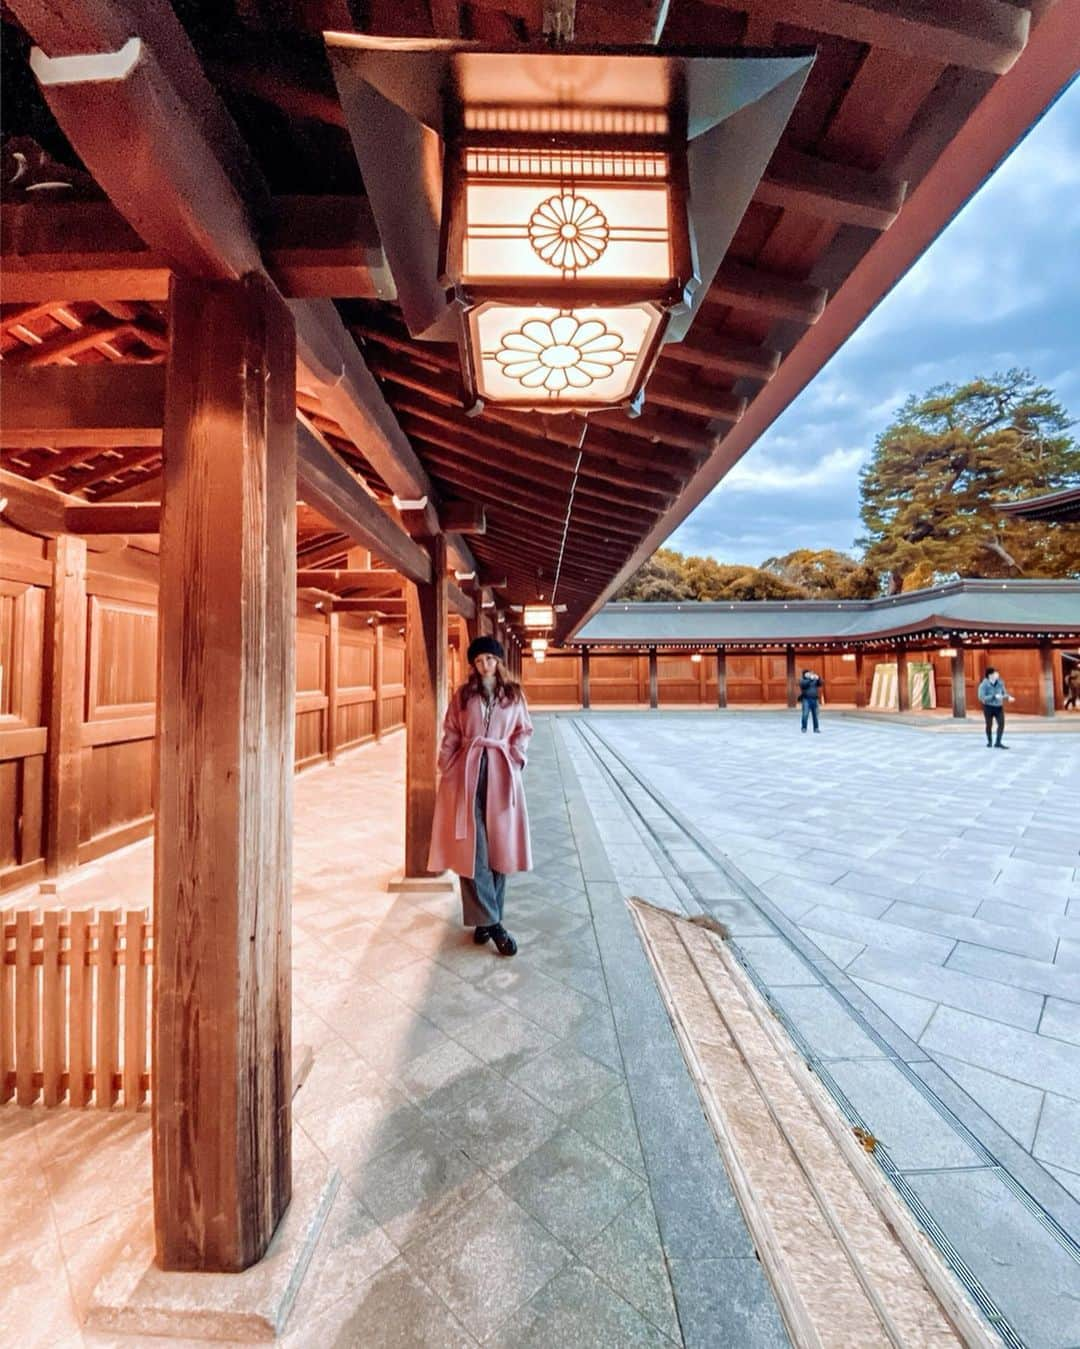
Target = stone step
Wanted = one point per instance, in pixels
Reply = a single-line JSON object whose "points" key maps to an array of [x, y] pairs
{"points": [[844, 1256]]}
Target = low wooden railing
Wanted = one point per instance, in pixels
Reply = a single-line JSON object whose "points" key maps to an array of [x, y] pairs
{"points": [[75, 1006]]}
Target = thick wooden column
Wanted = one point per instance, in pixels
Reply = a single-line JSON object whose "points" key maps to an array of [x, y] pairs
{"points": [[333, 651], [959, 688], [654, 680], [860, 679], [903, 689], [1046, 679], [426, 641], [223, 861], [721, 677], [789, 669], [377, 682], [586, 694], [65, 698]]}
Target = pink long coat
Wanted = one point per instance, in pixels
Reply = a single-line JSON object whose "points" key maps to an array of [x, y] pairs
{"points": [[453, 830]]}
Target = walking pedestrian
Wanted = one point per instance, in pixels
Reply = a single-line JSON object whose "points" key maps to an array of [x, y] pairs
{"points": [[1072, 687], [481, 826], [993, 695], [811, 691]]}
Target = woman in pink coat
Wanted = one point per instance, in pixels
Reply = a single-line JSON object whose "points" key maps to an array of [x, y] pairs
{"points": [[481, 826]]}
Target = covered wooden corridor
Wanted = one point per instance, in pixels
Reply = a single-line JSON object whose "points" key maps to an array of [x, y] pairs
{"points": [[246, 521]]}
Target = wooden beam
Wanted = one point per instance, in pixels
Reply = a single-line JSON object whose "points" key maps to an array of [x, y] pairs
{"points": [[744, 287], [977, 34], [312, 246], [660, 427], [817, 187], [337, 495], [32, 507], [426, 638], [65, 678], [113, 518], [82, 405], [460, 603], [388, 608], [119, 106], [711, 350], [695, 397], [222, 1085], [377, 584]]}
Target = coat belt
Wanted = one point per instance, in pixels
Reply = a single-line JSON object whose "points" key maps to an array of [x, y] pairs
{"points": [[472, 756]]}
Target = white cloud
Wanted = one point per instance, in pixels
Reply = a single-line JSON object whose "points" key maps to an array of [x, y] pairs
{"points": [[758, 473]]}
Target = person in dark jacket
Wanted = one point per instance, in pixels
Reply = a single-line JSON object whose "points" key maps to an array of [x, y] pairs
{"points": [[811, 689], [993, 695]]}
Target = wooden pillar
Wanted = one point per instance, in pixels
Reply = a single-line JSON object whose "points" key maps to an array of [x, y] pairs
{"points": [[425, 703], [1046, 678], [377, 682], [586, 693], [65, 675], [654, 682], [721, 677], [959, 688], [333, 648], [792, 683], [222, 1063], [860, 679], [903, 689]]}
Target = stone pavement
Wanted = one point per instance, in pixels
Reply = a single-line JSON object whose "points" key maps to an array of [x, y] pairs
{"points": [[911, 905], [495, 1189]]}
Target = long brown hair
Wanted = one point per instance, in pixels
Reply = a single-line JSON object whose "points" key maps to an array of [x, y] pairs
{"points": [[507, 690]]}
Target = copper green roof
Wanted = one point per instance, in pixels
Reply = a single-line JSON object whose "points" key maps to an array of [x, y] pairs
{"points": [[1019, 609]]}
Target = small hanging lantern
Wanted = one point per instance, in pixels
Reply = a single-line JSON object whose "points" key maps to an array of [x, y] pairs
{"points": [[538, 616], [560, 212], [539, 644], [696, 657], [539, 657]]}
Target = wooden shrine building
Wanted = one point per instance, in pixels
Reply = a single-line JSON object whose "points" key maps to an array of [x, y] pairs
{"points": [[245, 518], [731, 654]]}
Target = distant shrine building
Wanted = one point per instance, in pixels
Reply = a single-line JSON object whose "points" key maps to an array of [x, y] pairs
{"points": [[926, 649]]}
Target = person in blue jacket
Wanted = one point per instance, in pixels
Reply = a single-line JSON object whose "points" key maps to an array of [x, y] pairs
{"points": [[993, 695], [811, 689]]}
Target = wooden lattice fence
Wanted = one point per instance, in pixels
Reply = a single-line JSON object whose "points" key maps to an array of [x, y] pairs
{"points": [[75, 1006]]}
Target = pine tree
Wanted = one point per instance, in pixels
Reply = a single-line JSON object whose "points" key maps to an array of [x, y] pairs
{"points": [[930, 492]]}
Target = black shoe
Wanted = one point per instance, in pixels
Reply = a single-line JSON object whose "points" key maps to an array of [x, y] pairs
{"points": [[989, 744], [481, 935], [504, 943], [999, 745]]}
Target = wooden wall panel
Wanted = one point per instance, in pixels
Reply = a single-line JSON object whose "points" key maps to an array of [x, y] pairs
{"points": [[555, 681], [25, 577], [117, 795]]}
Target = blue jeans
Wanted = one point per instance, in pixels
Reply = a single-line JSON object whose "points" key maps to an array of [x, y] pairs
{"points": [[482, 893], [809, 709]]}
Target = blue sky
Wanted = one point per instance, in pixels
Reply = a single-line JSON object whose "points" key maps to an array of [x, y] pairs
{"points": [[1000, 287]]}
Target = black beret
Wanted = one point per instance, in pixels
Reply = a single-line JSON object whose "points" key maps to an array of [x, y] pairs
{"points": [[480, 646]]}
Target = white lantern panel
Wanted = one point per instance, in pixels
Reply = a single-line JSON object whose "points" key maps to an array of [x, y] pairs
{"points": [[538, 616], [541, 357], [540, 231]]}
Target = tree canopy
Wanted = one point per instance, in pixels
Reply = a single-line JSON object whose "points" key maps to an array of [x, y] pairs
{"points": [[937, 472], [929, 498]]}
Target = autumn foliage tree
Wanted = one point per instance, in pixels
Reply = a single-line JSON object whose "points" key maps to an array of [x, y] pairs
{"points": [[930, 491]]}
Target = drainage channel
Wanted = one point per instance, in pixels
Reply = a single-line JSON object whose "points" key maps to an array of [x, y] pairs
{"points": [[632, 791]]}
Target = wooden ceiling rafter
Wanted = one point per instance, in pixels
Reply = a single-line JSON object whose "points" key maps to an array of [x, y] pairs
{"points": [[984, 35], [188, 206], [520, 456]]}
